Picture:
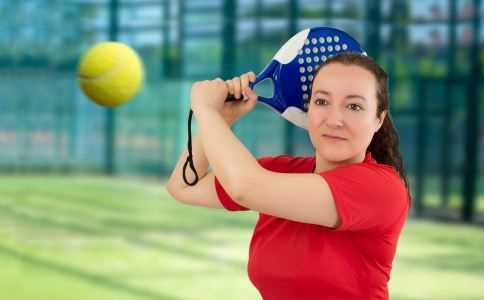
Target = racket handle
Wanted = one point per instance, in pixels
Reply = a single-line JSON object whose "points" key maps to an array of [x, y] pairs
{"points": [[268, 72], [232, 98]]}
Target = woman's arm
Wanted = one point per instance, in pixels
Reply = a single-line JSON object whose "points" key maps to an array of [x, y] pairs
{"points": [[299, 197], [200, 161], [303, 198], [230, 159], [203, 193], [231, 112]]}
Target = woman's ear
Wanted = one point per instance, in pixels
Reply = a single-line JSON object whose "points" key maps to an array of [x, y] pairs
{"points": [[381, 119]]}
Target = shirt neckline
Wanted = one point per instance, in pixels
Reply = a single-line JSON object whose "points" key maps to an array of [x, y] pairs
{"points": [[368, 158]]}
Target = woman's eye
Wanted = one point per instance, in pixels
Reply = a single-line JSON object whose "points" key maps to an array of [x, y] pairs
{"points": [[355, 107], [320, 101]]}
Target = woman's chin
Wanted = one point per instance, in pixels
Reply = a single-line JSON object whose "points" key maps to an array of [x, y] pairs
{"points": [[334, 156]]}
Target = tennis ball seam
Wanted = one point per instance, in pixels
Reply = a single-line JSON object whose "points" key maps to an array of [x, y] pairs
{"points": [[111, 71]]}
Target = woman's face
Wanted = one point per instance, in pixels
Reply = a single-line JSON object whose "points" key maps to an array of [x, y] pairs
{"points": [[342, 112]]}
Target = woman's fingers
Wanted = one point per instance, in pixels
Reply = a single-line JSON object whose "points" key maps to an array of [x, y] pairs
{"points": [[237, 87], [245, 83], [230, 86], [246, 79], [251, 76]]}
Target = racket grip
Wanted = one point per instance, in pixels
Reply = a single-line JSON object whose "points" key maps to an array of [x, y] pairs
{"points": [[232, 98]]}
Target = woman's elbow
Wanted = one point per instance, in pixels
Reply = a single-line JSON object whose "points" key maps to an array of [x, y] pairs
{"points": [[239, 190], [174, 192]]}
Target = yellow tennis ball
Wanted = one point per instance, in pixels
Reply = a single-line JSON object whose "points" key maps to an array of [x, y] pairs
{"points": [[110, 73]]}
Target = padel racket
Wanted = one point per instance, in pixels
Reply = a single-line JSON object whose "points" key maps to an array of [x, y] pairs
{"points": [[291, 69], [292, 72]]}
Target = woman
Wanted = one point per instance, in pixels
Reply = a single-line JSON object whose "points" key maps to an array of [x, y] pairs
{"points": [[328, 225]]}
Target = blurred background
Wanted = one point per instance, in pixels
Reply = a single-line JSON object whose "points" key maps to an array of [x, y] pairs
{"points": [[83, 209]]}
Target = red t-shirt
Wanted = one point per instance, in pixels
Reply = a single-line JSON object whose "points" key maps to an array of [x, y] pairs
{"points": [[292, 260]]}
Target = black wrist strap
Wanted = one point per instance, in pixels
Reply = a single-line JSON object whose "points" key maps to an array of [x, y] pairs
{"points": [[190, 155]]}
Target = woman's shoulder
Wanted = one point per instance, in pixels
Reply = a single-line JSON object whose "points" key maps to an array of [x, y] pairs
{"points": [[372, 181], [370, 170], [371, 165]]}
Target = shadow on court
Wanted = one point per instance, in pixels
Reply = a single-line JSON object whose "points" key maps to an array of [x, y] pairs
{"points": [[94, 279]]}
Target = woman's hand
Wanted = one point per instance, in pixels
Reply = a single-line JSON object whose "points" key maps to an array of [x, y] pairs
{"points": [[239, 88], [211, 94]]}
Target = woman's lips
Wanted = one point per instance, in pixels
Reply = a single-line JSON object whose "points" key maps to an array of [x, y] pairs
{"points": [[332, 137]]}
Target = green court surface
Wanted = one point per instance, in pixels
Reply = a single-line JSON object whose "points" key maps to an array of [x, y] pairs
{"points": [[99, 238]]}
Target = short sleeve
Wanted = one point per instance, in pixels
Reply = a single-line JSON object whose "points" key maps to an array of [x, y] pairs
{"points": [[226, 200], [368, 197]]}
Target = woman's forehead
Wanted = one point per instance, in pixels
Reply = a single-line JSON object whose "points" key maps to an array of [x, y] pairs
{"points": [[345, 78]]}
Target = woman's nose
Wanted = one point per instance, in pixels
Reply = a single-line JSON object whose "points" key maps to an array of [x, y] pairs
{"points": [[334, 118]]}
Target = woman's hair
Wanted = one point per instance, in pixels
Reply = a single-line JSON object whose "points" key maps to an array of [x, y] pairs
{"points": [[384, 146]]}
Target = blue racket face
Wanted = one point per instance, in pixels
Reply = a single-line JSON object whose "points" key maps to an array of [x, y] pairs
{"points": [[293, 67]]}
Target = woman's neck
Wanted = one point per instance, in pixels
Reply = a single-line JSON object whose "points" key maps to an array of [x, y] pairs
{"points": [[322, 165]]}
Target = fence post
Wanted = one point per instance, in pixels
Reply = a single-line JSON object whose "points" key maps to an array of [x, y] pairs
{"points": [[110, 130], [446, 162], [421, 137], [373, 25], [288, 126], [472, 127], [228, 39]]}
